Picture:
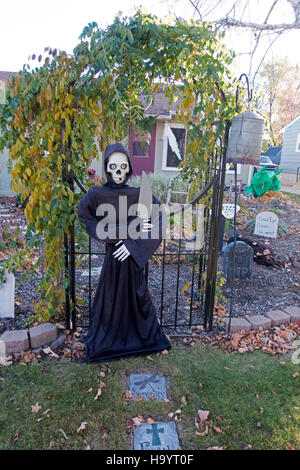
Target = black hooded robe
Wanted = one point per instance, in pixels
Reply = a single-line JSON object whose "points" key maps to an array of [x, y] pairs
{"points": [[123, 319]]}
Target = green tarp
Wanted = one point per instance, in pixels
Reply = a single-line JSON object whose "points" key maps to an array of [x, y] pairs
{"points": [[264, 181]]}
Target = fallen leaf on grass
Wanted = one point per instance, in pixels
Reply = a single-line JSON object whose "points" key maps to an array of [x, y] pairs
{"points": [[81, 428], [203, 415], [127, 396], [289, 447], [98, 394], [63, 433], [139, 398], [204, 433], [295, 374], [47, 411], [16, 436], [150, 421], [183, 401], [36, 408], [138, 420], [52, 353], [217, 429]]}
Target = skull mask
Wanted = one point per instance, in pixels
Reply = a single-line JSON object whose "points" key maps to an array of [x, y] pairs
{"points": [[118, 167]]}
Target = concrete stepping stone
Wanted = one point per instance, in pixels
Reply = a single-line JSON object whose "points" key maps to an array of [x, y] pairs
{"points": [[278, 317], [157, 436], [294, 313], [148, 386]]}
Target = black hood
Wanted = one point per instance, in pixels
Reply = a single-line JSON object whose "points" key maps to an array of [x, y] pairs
{"points": [[117, 147]]}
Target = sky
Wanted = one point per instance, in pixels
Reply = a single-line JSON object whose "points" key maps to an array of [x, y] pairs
{"points": [[28, 26]]}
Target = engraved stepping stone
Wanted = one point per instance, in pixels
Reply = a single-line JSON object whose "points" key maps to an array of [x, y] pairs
{"points": [[148, 386], [157, 436]]}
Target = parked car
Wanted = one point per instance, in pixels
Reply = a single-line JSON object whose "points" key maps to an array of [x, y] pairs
{"points": [[266, 161]]}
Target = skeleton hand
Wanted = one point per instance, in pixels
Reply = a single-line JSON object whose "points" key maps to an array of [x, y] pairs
{"points": [[122, 252], [147, 226]]}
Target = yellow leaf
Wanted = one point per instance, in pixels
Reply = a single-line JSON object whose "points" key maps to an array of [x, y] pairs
{"points": [[48, 94], [28, 171]]}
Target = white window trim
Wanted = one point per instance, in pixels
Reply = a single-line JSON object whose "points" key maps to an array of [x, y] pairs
{"points": [[297, 143], [165, 148], [238, 170]]}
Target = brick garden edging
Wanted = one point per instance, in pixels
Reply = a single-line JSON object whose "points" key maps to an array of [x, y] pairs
{"points": [[273, 318], [16, 341]]}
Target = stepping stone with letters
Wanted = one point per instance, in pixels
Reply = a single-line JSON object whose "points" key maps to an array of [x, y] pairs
{"points": [[148, 386], [157, 436]]}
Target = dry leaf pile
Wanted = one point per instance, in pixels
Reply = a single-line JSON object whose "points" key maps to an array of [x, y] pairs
{"points": [[276, 340]]}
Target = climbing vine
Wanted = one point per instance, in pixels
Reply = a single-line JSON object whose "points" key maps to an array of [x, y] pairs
{"points": [[61, 113]]}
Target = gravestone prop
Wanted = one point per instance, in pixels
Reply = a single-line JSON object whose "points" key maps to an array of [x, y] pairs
{"points": [[7, 296], [266, 224], [148, 386], [243, 260], [227, 213], [157, 436]]}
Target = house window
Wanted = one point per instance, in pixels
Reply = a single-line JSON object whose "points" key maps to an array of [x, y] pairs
{"points": [[141, 143], [174, 147], [298, 143]]}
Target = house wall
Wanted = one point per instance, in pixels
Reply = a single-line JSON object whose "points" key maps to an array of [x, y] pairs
{"points": [[5, 177], [290, 159]]}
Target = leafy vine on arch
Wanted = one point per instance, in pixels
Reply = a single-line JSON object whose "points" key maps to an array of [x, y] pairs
{"points": [[59, 115]]}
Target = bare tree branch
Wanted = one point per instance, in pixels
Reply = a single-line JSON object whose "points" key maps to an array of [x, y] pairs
{"points": [[195, 6], [260, 33], [258, 26], [295, 4]]}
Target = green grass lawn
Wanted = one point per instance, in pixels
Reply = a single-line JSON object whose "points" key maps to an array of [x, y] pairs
{"points": [[252, 398]]}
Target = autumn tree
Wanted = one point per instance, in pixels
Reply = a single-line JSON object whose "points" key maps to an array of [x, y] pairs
{"points": [[279, 86]]}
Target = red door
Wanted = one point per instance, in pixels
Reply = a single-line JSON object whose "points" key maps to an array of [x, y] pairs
{"points": [[142, 150]]}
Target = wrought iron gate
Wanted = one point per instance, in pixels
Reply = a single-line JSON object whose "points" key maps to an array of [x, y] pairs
{"points": [[182, 282]]}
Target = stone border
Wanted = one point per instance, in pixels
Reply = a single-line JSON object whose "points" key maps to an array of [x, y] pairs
{"points": [[16, 341], [290, 314]]}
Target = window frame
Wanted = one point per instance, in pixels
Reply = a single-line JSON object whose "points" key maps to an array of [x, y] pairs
{"points": [[175, 125]]}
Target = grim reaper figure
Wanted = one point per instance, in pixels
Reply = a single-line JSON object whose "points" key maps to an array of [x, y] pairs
{"points": [[123, 319]]}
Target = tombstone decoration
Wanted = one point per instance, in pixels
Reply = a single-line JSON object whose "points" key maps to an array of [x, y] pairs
{"points": [[7, 296], [148, 386], [243, 260], [228, 210], [157, 436], [266, 224], [123, 318]]}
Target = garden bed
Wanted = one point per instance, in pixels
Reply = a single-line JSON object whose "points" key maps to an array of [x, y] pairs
{"points": [[269, 288]]}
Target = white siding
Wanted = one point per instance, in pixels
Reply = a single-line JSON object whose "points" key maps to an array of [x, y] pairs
{"points": [[290, 159], [5, 177]]}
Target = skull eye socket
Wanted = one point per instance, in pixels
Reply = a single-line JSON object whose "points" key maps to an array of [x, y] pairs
{"points": [[112, 166], [124, 166]]}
